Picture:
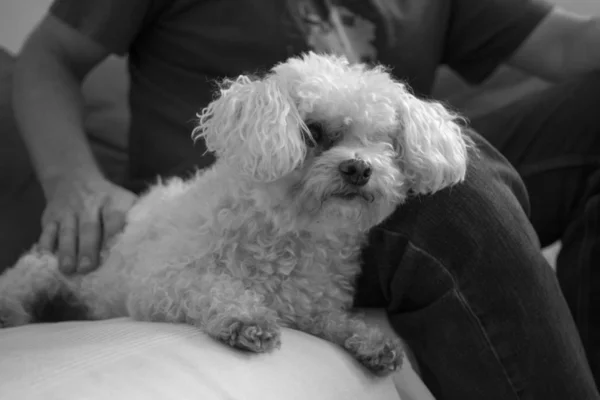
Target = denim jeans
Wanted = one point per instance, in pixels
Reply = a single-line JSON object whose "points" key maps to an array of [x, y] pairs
{"points": [[461, 274]]}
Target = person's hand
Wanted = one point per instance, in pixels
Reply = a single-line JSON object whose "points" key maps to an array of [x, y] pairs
{"points": [[81, 215]]}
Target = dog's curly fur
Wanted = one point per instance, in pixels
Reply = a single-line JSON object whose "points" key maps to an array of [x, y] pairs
{"points": [[269, 236]]}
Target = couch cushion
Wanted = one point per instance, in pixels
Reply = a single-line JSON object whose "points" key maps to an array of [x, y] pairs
{"points": [[124, 360]]}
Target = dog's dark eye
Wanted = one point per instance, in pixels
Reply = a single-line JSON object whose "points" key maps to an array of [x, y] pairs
{"points": [[317, 134]]}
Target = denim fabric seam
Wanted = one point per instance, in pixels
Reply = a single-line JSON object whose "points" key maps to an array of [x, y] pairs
{"points": [[471, 313], [466, 307]]}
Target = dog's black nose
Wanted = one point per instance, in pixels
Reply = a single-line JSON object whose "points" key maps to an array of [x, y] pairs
{"points": [[356, 172]]}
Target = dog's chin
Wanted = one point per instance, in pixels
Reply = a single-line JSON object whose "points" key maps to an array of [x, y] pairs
{"points": [[325, 205], [347, 211]]}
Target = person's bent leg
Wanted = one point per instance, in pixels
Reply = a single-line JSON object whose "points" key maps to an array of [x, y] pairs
{"points": [[467, 287], [553, 140]]}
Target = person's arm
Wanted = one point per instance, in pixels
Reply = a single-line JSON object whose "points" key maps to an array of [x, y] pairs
{"points": [[563, 45], [48, 102], [84, 210], [71, 40], [483, 34]]}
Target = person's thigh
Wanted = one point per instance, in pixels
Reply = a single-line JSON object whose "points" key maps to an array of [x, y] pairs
{"points": [[465, 284]]}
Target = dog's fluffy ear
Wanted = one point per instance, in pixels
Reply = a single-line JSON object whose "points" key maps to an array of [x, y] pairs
{"points": [[432, 146], [254, 127]]}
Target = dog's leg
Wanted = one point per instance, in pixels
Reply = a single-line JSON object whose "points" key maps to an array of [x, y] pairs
{"points": [[368, 344], [219, 305], [238, 317]]}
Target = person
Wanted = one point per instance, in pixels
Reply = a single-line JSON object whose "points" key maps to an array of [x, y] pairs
{"points": [[460, 272]]}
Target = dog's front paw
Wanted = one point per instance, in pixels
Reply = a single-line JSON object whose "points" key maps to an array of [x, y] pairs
{"points": [[258, 337], [12, 313], [381, 357]]}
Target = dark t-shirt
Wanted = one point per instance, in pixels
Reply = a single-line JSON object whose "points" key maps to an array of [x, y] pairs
{"points": [[177, 48]]}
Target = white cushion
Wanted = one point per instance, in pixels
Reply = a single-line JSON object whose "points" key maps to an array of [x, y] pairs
{"points": [[122, 359]]}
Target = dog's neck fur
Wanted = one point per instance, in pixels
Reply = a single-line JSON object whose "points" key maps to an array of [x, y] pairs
{"points": [[271, 207], [287, 214], [254, 224]]}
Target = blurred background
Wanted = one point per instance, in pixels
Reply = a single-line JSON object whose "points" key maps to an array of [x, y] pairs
{"points": [[17, 17]]}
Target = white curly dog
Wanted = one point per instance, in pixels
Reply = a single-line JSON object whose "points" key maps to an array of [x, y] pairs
{"points": [[310, 157]]}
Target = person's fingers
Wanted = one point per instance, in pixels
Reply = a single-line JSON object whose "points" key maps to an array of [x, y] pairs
{"points": [[49, 236], [89, 235], [67, 243], [112, 223]]}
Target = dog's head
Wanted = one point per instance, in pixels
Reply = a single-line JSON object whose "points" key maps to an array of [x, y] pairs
{"points": [[346, 143]]}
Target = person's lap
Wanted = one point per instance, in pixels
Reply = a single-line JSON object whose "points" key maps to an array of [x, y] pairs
{"points": [[466, 285]]}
